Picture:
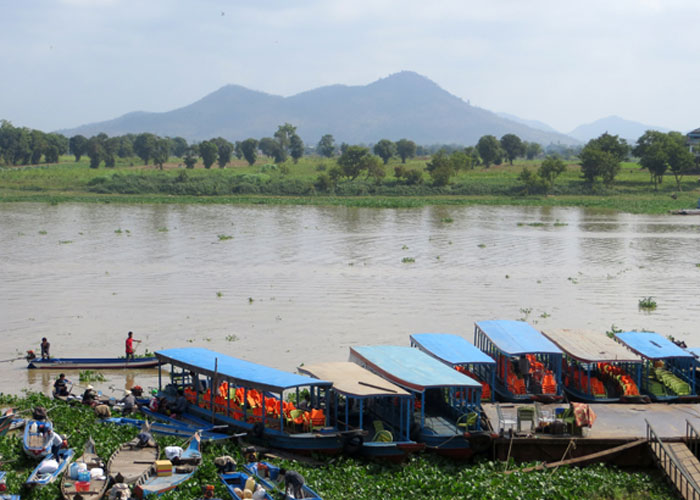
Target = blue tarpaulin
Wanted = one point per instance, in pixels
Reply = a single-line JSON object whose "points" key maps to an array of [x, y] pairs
{"points": [[652, 345], [208, 362], [451, 349], [409, 367], [517, 337]]}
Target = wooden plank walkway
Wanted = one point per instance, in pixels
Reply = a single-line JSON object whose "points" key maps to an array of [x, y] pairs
{"points": [[681, 467]]}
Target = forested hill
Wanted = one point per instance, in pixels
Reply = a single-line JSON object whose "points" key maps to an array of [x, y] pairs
{"points": [[403, 105]]}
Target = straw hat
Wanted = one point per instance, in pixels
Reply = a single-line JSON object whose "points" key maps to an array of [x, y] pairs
{"points": [[127, 392], [89, 387]]}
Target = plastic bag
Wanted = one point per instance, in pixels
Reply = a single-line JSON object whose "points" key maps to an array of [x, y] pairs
{"points": [[173, 452], [48, 466]]}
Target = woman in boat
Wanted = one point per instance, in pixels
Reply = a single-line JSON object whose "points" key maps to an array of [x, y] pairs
{"points": [[60, 387], [89, 396]]}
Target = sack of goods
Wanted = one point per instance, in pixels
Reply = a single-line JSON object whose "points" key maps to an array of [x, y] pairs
{"points": [[173, 452], [97, 473], [48, 466]]}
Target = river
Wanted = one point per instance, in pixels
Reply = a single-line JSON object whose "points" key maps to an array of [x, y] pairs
{"points": [[286, 285]]}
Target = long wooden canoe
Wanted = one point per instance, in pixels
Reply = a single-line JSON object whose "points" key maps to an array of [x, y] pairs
{"points": [[92, 363], [235, 481], [187, 465], [37, 478], [98, 486], [132, 461], [37, 438], [268, 476]]}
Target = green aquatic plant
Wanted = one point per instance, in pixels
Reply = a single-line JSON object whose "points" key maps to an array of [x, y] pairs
{"points": [[91, 376], [647, 303], [408, 260], [219, 294], [42, 232], [613, 330], [446, 220], [231, 338], [224, 237]]}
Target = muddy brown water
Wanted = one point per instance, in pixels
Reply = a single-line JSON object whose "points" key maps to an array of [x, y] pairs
{"points": [[299, 285]]}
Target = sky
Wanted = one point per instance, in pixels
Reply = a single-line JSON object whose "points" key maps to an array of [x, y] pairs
{"points": [[65, 63]]}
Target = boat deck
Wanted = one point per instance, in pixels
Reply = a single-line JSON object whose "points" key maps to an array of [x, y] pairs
{"points": [[439, 425], [619, 421]]}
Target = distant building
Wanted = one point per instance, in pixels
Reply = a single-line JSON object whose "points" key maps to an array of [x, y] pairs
{"points": [[694, 142]]}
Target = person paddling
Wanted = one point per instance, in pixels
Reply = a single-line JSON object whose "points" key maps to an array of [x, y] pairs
{"points": [[130, 346]]}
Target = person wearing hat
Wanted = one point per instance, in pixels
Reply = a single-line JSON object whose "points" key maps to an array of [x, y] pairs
{"points": [[129, 402], [89, 396], [45, 348]]}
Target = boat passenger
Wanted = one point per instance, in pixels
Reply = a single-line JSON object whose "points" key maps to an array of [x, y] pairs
{"points": [[179, 406], [57, 442], [524, 367], [197, 385], [60, 387], [129, 402], [292, 481], [305, 403], [103, 411], [130, 345], [45, 348], [89, 396]]}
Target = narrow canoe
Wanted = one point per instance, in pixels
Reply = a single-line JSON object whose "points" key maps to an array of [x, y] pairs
{"points": [[182, 430], [132, 461], [98, 486], [268, 475], [37, 478], [152, 484], [92, 363], [37, 438], [6, 423], [236, 481]]}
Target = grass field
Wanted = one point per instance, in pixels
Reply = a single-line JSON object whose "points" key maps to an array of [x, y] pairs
{"points": [[264, 183]]}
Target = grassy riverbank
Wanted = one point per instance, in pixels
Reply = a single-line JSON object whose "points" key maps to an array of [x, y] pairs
{"points": [[424, 476], [298, 184]]}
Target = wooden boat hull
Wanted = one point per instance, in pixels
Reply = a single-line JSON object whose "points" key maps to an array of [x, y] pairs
{"points": [[98, 487], [92, 363], [233, 480], [152, 484], [395, 451], [131, 461], [6, 423], [38, 479], [36, 443], [507, 396], [270, 481]]}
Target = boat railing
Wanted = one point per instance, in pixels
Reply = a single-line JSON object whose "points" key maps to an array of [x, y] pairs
{"points": [[692, 437], [675, 471]]}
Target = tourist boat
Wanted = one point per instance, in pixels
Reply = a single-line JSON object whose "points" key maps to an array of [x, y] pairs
{"points": [[596, 368], [97, 483], [187, 464], [235, 482], [92, 363], [186, 420], [460, 354], [528, 365], [39, 478], [269, 477], [36, 442], [250, 397], [668, 371], [447, 403], [3, 489], [168, 429], [133, 459], [361, 400]]}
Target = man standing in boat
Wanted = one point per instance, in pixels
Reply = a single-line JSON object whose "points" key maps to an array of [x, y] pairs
{"points": [[130, 346], [45, 348]]}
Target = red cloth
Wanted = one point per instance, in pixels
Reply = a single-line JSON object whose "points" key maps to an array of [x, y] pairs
{"points": [[129, 345], [584, 415]]}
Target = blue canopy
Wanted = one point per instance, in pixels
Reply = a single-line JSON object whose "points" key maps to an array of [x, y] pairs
{"points": [[695, 351], [242, 372], [451, 349], [517, 337], [652, 345], [409, 367]]}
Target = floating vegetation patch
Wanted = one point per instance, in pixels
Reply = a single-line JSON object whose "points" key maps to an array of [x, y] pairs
{"points": [[446, 220], [42, 232], [613, 330], [118, 231], [65, 242], [647, 303], [219, 294], [408, 260], [91, 376], [162, 229], [231, 338], [482, 245], [224, 237]]}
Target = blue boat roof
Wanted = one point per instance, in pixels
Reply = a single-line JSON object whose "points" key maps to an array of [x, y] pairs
{"points": [[517, 337], [246, 373], [409, 367], [652, 345], [451, 349], [695, 351]]}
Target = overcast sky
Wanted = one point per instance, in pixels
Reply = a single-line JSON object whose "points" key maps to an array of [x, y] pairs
{"points": [[64, 63]]}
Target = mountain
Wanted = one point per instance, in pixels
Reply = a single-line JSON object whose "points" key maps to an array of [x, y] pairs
{"points": [[404, 104], [614, 125], [530, 123]]}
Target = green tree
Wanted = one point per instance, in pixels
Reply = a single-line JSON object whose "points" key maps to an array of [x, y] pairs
{"points": [[271, 148], [224, 151], [95, 150], [190, 156], [680, 159], [374, 167], [405, 149], [659, 152], [209, 152], [161, 152], [296, 147], [38, 145], [77, 146], [326, 146], [249, 150], [144, 145], [178, 145], [440, 168], [489, 149], [551, 168], [111, 147], [600, 158], [532, 150], [353, 161], [126, 147], [513, 147], [473, 154], [385, 149]]}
